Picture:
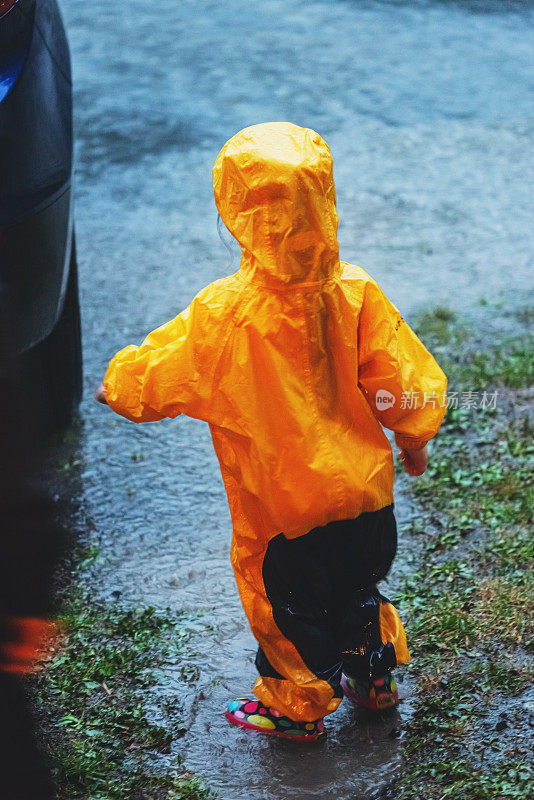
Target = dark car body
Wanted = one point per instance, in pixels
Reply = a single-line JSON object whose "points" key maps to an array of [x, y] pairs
{"points": [[37, 252]]}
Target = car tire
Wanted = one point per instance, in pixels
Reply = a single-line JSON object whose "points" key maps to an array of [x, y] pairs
{"points": [[54, 366]]}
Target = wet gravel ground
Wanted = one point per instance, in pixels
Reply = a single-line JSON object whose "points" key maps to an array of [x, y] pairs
{"points": [[428, 108]]}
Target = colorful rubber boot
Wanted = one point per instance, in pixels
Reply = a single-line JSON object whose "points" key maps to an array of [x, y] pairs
{"points": [[254, 716], [376, 694]]}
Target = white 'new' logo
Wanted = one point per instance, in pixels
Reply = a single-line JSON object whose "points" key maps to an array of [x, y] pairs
{"points": [[384, 399]]}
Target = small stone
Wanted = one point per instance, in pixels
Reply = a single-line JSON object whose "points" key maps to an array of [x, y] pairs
{"points": [[501, 725], [116, 593]]}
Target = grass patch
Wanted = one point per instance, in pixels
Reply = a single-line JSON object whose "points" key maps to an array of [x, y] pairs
{"points": [[467, 358], [470, 603], [93, 698], [512, 780]]}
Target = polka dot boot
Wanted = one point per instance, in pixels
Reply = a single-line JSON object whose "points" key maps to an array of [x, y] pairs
{"points": [[377, 694], [254, 716]]}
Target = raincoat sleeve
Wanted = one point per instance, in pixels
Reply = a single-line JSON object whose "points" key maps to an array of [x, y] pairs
{"points": [[169, 374], [403, 383]]}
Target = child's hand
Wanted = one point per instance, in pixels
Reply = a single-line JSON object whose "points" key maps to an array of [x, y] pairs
{"points": [[415, 461], [100, 395]]}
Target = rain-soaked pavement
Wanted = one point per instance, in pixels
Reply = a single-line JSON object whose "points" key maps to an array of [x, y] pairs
{"points": [[428, 108]]}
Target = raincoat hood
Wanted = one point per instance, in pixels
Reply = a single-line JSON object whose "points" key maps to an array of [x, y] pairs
{"points": [[274, 189]]}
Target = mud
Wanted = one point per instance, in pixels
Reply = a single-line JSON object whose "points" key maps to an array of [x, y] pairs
{"points": [[428, 109]]}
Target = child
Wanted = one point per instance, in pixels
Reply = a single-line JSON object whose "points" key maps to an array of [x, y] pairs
{"points": [[296, 362]]}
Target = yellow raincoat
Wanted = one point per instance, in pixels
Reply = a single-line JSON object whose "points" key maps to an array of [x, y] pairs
{"points": [[295, 361]]}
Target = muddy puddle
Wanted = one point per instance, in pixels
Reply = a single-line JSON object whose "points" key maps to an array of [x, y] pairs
{"points": [[429, 110]]}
